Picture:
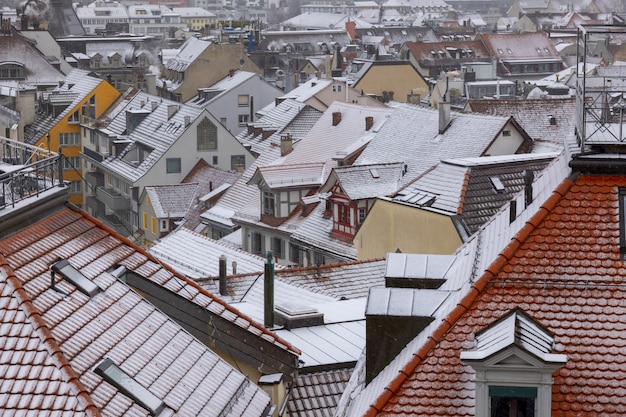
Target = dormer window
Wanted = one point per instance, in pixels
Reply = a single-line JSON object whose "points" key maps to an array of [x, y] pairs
{"points": [[268, 203], [11, 70], [513, 359]]}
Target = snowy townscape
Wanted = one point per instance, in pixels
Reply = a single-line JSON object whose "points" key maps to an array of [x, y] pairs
{"points": [[276, 208]]}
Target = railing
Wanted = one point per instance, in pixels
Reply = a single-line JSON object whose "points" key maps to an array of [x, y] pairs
{"points": [[26, 171]]}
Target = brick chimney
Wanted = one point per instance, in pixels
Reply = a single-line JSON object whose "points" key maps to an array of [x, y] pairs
{"points": [[351, 29], [369, 122], [286, 144], [336, 118]]}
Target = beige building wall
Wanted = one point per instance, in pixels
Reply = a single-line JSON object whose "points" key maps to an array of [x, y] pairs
{"points": [[391, 226], [212, 66], [401, 79]]}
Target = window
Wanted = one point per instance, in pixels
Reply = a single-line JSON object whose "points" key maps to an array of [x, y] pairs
{"points": [[344, 214], [173, 165], [278, 247], [237, 163], [164, 225], [74, 276], [294, 253], [207, 135], [74, 117], [243, 100], [318, 258], [69, 139], [512, 401], [506, 133], [362, 213], [336, 88], [243, 119], [145, 221], [76, 187], [129, 386], [71, 163], [268, 203], [525, 389], [256, 243], [214, 160], [154, 225], [11, 70]]}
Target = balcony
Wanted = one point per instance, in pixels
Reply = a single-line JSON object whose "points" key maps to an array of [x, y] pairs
{"points": [[95, 179], [112, 199]]}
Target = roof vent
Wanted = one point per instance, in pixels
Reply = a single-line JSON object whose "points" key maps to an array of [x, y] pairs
{"points": [[74, 276], [292, 315]]}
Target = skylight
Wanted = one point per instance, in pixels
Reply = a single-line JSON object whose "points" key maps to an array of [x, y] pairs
{"points": [[497, 184], [115, 376], [74, 276]]}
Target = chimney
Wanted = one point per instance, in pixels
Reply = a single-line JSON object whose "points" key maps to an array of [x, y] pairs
{"points": [[444, 116], [250, 129], [394, 317], [267, 132], [336, 118], [268, 291], [369, 122], [286, 144], [154, 105], [171, 110], [187, 120], [351, 29], [529, 176], [223, 290], [234, 267]]}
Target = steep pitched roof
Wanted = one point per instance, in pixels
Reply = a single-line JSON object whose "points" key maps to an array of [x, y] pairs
{"points": [[78, 84], [534, 116], [447, 50], [318, 393], [171, 201], [187, 54], [366, 181], [221, 87], [59, 339], [521, 46], [468, 135], [157, 131]]}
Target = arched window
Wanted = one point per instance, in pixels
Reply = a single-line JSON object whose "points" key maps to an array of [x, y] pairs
{"points": [[11, 70]]}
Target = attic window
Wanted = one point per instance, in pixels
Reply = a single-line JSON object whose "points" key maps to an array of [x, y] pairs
{"points": [[74, 276], [538, 50], [510, 347], [115, 376], [552, 120], [500, 51], [546, 50], [497, 184], [509, 50], [374, 173]]}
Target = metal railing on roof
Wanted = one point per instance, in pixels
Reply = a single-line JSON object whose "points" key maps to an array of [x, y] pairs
{"points": [[26, 171]]}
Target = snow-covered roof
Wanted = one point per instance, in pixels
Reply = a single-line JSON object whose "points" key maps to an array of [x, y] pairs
{"points": [[186, 54], [171, 201]]}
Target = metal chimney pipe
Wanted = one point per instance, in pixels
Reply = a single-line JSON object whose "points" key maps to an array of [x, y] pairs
{"points": [[223, 290], [268, 291]]}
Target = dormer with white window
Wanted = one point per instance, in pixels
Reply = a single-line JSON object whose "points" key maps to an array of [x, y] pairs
{"points": [[514, 360]]}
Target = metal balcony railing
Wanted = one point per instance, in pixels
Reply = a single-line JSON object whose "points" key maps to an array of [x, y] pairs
{"points": [[26, 171]]}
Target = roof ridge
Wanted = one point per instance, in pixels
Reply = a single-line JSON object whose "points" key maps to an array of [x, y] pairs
{"points": [[188, 281], [327, 266], [466, 301], [48, 339]]}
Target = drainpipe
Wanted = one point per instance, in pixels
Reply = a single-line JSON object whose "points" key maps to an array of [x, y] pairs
{"points": [[269, 290]]}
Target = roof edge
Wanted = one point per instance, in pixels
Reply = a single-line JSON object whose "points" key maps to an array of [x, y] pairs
{"points": [[188, 281], [48, 340], [474, 291]]}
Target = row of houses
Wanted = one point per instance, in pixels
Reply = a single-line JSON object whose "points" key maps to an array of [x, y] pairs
{"points": [[522, 317]]}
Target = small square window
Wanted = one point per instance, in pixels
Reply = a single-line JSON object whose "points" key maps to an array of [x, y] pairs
{"points": [[506, 133], [243, 100], [173, 165], [243, 119]]}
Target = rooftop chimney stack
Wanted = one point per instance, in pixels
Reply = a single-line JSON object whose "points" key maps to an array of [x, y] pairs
{"points": [[369, 122], [268, 291], [286, 144], [223, 289], [336, 118], [444, 116]]}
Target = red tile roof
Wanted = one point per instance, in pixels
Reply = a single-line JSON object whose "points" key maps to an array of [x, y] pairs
{"points": [[49, 342], [565, 271]]}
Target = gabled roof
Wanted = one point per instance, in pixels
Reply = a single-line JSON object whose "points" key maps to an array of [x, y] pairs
{"points": [[221, 87], [52, 342], [309, 20], [284, 176], [366, 181], [197, 256], [187, 54], [471, 49], [521, 46], [317, 393], [468, 135], [171, 201], [534, 116]]}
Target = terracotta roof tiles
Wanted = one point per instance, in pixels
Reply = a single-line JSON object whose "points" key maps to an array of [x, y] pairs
{"points": [[564, 270]]}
